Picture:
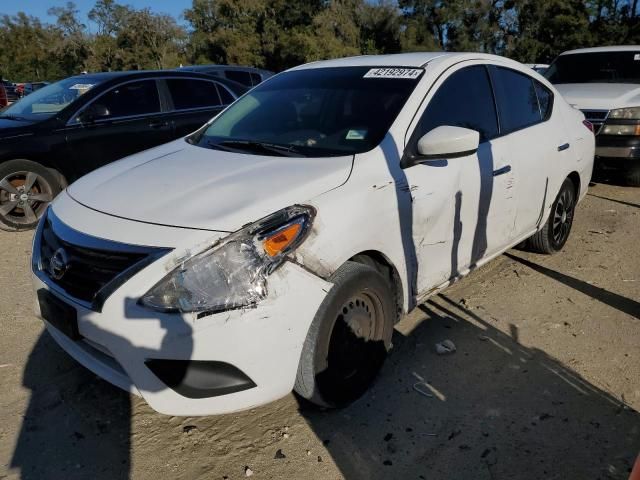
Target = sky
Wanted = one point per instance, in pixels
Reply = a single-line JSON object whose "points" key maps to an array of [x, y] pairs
{"points": [[38, 8]]}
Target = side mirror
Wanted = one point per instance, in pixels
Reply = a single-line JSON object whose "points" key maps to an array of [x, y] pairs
{"points": [[94, 112], [448, 142]]}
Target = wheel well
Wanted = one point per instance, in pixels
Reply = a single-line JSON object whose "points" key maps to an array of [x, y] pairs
{"points": [[381, 263], [575, 179], [59, 176], [62, 181]]}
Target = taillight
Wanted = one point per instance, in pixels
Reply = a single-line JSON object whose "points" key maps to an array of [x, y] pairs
{"points": [[589, 125]]}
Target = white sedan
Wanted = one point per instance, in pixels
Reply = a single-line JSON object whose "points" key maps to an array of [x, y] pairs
{"points": [[276, 247]]}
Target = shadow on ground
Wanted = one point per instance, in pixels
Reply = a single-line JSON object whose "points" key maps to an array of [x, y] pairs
{"points": [[76, 425], [616, 177], [496, 410]]}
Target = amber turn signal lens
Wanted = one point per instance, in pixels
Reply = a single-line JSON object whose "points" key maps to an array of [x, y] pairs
{"points": [[281, 239]]}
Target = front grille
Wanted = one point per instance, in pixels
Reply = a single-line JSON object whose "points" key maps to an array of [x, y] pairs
{"points": [[597, 118], [86, 268]]}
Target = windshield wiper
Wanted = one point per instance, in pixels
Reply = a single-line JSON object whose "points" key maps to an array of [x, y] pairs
{"points": [[282, 150], [218, 146]]}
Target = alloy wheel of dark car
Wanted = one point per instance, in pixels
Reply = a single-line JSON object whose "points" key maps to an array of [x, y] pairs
{"points": [[24, 196]]}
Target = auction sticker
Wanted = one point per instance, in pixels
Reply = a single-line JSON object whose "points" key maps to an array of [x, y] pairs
{"points": [[356, 134], [394, 72], [81, 86]]}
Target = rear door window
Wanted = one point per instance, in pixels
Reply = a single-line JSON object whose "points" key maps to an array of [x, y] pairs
{"points": [[465, 99], [130, 99], [517, 99], [188, 93]]}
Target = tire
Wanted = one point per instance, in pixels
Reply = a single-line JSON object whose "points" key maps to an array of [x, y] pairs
{"points": [[633, 176], [555, 233], [348, 340], [26, 189]]}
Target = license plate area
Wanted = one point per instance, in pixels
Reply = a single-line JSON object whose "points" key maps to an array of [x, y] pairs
{"points": [[59, 314]]}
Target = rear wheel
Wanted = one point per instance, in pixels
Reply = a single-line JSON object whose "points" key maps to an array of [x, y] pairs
{"points": [[347, 342], [26, 188], [555, 233]]}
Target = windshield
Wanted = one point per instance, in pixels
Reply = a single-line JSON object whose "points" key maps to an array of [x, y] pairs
{"points": [[46, 101], [316, 112], [600, 67]]}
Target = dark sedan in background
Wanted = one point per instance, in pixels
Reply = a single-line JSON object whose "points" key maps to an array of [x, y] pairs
{"points": [[71, 127], [248, 76]]}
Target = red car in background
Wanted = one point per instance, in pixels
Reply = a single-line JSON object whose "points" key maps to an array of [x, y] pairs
{"points": [[4, 101], [10, 91]]}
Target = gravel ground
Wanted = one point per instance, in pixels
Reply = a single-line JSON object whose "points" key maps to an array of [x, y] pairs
{"points": [[545, 383]]}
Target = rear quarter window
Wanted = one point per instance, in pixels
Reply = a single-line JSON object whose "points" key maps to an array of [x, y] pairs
{"points": [[238, 76], [545, 99], [226, 97], [255, 78]]}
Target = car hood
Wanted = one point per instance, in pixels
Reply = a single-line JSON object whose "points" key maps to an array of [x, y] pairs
{"points": [[182, 185], [600, 96], [9, 128]]}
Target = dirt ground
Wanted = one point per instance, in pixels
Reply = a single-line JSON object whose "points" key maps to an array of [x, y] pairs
{"points": [[545, 384]]}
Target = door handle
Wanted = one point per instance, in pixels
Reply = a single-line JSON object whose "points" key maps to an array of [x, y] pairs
{"points": [[502, 171], [564, 146], [158, 124]]}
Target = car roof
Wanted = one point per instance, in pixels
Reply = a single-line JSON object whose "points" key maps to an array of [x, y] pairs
{"points": [[418, 59], [614, 48], [215, 66], [105, 76], [415, 60]]}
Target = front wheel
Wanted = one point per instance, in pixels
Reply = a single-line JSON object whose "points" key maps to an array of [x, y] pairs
{"points": [[26, 188], [348, 339], [555, 233]]}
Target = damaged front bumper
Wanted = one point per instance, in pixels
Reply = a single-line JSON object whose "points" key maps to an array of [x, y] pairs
{"points": [[189, 363]]}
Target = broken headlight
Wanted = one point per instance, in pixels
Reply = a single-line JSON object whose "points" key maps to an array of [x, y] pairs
{"points": [[232, 273]]}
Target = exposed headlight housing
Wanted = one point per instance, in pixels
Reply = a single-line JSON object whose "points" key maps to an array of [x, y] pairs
{"points": [[233, 272], [630, 113]]}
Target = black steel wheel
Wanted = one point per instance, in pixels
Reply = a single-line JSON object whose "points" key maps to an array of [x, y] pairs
{"points": [[347, 343]]}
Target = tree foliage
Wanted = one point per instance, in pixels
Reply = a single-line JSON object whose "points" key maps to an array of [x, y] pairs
{"points": [[277, 34]]}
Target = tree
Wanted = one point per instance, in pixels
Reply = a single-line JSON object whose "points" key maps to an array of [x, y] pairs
{"points": [[380, 27], [278, 34], [148, 40], [28, 49], [548, 27]]}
